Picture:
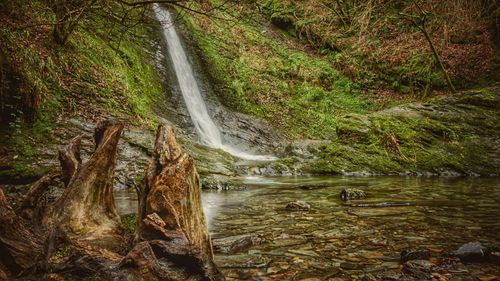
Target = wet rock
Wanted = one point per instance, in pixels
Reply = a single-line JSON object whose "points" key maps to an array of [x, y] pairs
{"points": [[312, 186], [391, 275], [235, 243], [419, 269], [472, 251], [335, 279], [379, 241], [242, 261], [415, 254], [298, 206], [353, 128], [390, 265], [304, 252], [369, 277], [352, 194], [350, 266], [304, 149]]}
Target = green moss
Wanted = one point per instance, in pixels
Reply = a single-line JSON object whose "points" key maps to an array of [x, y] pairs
{"points": [[129, 221], [444, 137], [258, 74], [64, 251], [90, 71]]}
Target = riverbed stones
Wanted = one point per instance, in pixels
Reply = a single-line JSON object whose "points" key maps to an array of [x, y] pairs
{"points": [[242, 261], [298, 206], [419, 269], [472, 251], [352, 194], [415, 254], [236, 243], [351, 266]]}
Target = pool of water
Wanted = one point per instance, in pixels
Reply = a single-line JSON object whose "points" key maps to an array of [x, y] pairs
{"points": [[337, 237]]}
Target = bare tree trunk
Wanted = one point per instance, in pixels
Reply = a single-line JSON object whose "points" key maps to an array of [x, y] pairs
{"points": [[68, 16], [420, 22], [437, 57]]}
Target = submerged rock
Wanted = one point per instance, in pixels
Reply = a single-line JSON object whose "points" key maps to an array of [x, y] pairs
{"points": [[472, 251], [419, 269], [242, 261], [298, 206], [312, 186], [235, 243], [351, 266], [415, 254], [352, 194]]}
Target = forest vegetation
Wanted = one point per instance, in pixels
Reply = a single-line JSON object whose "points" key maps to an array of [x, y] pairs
{"points": [[343, 87]]}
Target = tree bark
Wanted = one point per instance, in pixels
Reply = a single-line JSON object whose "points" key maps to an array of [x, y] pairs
{"points": [[20, 247], [87, 206], [31, 207], [173, 243], [170, 211], [70, 159]]}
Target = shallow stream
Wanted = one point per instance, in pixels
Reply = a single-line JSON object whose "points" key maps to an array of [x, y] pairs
{"points": [[338, 239]]}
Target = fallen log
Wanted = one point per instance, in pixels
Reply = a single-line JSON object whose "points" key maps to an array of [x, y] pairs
{"points": [[378, 204]]}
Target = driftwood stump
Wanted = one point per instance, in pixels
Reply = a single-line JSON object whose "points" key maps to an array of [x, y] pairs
{"points": [[70, 159], [87, 207], [171, 241], [170, 214]]}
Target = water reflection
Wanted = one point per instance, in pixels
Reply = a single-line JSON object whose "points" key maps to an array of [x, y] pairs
{"points": [[443, 214]]}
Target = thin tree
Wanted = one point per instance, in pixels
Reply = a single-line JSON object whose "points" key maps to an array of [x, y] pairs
{"points": [[420, 22]]}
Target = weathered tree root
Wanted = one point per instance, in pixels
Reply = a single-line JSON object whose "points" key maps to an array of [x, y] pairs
{"points": [[20, 247], [170, 212], [172, 241]]}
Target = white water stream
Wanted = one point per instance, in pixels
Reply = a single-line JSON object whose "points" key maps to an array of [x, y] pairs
{"points": [[207, 130]]}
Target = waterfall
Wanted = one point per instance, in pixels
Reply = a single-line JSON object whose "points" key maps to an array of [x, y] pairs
{"points": [[208, 132]]}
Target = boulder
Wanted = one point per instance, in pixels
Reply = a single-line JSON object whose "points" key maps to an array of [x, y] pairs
{"points": [[352, 194], [353, 128], [472, 251], [235, 243]]}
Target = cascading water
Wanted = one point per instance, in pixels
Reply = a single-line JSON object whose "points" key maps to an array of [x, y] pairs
{"points": [[206, 129]]}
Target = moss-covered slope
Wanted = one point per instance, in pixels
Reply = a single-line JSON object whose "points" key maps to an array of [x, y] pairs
{"points": [[95, 75], [447, 135]]}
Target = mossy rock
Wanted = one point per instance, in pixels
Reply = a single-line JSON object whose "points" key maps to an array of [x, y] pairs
{"points": [[484, 98], [354, 128]]}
